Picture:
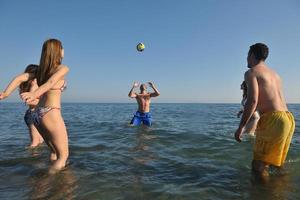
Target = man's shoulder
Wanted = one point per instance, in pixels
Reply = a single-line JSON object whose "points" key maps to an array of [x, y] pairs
{"points": [[142, 95], [250, 72], [255, 71]]}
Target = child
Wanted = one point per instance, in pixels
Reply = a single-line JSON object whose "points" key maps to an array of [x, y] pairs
{"points": [[252, 124], [26, 83]]}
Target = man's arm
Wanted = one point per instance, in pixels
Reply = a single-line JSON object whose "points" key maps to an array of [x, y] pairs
{"points": [[156, 92], [132, 94], [16, 82], [31, 96], [251, 103]]}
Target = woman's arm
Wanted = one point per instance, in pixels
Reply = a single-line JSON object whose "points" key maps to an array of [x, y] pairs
{"points": [[31, 96], [16, 82]]}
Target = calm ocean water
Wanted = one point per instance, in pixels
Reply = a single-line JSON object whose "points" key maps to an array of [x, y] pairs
{"points": [[189, 153]]}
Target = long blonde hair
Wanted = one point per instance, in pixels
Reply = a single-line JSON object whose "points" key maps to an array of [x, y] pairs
{"points": [[51, 58]]}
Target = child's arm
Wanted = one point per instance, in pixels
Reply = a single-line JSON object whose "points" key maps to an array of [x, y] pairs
{"points": [[34, 102], [34, 86], [31, 96], [14, 84]]}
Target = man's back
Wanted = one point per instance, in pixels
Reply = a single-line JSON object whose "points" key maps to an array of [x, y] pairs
{"points": [[276, 125], [270, 97]]}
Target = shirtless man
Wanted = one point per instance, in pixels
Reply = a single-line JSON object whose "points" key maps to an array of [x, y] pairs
{"points": [[143, 100], [276, 125]]}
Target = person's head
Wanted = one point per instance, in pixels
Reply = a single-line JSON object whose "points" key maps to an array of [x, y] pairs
{"points": [[257, 53], [143, 87], [51, 57], [25, 86], [244, 88]]}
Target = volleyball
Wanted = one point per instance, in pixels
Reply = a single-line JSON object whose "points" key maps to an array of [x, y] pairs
{"points": [[140, 47]]}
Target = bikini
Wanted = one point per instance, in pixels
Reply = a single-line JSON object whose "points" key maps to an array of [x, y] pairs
{"points": [[41, 111], [27, 117], [255, 115]]}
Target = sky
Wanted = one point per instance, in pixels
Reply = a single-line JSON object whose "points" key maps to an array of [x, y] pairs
{"points": [[195, 50]]}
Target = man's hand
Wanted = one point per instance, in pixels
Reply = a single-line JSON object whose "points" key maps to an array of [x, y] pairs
{"points": [[3, 95], [238, 134], [151, 84], [156, 92], [136, 84], [132, 94], [28, 97]]}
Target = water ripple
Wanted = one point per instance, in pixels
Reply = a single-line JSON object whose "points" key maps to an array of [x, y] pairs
{"points": [[188, 153]]}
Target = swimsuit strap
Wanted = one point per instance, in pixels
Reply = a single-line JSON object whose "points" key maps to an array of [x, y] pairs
{"points": [[44, 110], [62, 88], [54, 108], [40, 112]]}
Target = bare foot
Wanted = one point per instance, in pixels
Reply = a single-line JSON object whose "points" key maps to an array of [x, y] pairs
{"points": [[53, 157], [32, 145], [57, 166]]}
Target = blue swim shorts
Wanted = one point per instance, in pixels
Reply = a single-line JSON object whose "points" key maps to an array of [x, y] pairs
{"points": [[140, 117]]}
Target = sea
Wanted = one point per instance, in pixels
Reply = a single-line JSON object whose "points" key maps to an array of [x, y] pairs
{"points": [[189, 153]]}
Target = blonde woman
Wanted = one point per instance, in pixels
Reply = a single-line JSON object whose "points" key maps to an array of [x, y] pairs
{"points": [[26, 83], [47, 115]]}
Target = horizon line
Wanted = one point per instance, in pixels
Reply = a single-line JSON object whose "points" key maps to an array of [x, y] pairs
{"points": [[151, 102]]}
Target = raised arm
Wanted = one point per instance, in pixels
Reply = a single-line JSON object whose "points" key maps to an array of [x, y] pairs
{"points": [[16, 82], [132, 94], [156, 92], [31, 96], [251, 103]]}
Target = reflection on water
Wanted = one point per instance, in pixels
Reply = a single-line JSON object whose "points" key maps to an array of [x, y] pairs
{"points": [[59, 186], [189, 153], [142, 149], [276, 187]]}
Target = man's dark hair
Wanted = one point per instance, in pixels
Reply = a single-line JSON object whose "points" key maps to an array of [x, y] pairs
{"points": [[260, 51]]}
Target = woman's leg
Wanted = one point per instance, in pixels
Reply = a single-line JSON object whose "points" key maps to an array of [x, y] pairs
{"points": [[36, 138], [58, 137], [45, 135]]}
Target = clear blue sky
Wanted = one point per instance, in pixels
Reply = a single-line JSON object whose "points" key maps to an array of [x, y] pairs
{"points": [[195, 50]]}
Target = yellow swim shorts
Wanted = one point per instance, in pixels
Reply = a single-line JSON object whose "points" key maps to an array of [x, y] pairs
{"points": [[273, 137]]}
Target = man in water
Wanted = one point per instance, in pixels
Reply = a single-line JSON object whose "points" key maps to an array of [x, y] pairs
{"points": [[143, 99], [276, 125]]}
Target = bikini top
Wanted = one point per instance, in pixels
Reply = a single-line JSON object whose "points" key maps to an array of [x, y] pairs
{"points": [[62, 88]]}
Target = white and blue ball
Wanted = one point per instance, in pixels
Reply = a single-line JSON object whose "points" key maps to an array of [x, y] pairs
{"points": [[140, 47]]}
